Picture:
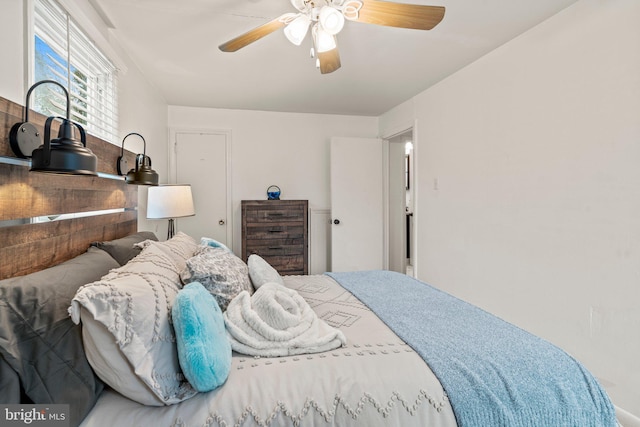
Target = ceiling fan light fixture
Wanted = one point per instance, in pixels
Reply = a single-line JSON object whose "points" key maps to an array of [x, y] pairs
{"points": [[301, 5], [297, 29], [331, 19], [323, 41], [326, 19]]}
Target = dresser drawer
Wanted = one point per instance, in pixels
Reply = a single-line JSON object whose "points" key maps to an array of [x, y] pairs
{"points": [[273, 214], [275, 248], [261, 231]]}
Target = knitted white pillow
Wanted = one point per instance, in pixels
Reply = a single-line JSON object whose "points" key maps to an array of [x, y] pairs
{"points": [[262, 272], [180, 248], [126, 316]]}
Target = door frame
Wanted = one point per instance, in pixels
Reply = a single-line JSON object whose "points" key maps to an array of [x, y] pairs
{"points": [[173, 172], [386, 135]]}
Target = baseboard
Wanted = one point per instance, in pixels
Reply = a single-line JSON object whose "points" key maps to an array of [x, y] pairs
{"points": [[627, 419]]}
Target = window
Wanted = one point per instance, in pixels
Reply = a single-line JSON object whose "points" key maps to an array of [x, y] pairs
{"points": [[62, 52]]}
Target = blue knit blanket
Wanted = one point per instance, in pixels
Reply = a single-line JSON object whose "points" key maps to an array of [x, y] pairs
{"points": [[494, 373]]}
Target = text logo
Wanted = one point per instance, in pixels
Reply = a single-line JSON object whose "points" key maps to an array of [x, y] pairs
{"points": [[34, 415]]}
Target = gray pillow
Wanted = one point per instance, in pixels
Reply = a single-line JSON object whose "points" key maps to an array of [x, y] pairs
{"points": [[9, 383], [222, 273], [124, 249], [39, 341]]}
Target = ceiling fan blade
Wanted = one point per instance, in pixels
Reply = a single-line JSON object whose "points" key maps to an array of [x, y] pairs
{"points": [[415, 16], [257, 33], [329, 61]]}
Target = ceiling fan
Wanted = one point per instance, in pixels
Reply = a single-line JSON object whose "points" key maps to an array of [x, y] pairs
{"points": [[326, 19]]}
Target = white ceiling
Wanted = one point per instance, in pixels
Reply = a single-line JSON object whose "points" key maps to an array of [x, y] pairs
{"points": [[175, 44]]}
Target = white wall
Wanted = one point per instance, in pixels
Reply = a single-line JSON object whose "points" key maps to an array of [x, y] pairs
{"points": [[290, 150], [142, 108], [11, 49], [536, 215]]}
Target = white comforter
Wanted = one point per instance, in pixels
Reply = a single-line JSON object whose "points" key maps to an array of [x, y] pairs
{"points": [[375, 380]]}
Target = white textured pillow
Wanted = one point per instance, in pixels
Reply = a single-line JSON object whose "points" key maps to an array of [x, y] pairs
{"points": [[180, 248], [262, 272], [222, 273], [131, 341]]}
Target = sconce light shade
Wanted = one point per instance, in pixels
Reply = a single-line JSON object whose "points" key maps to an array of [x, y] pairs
{"points": [[141, 174], [64, 154], [170, 201]]}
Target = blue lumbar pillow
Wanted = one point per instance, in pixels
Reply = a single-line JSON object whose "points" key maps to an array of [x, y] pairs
{"points": [[204, 351]]}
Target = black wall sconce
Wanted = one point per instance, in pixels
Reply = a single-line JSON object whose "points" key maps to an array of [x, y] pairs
{"points": [[64, 154], [141, 174]]}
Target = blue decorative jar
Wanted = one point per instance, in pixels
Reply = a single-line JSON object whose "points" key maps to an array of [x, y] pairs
{"points": [[273, 193]]}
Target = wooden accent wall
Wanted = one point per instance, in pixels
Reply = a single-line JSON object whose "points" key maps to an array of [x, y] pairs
{"points": [[25, 248]]}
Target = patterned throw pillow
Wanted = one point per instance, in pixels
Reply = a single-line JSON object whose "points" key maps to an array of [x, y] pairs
{"points": [[222, 273], [128, 337]]}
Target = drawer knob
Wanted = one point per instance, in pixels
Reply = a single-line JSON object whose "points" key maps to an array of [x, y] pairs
{"points": [[221, 222], [336, 221]]}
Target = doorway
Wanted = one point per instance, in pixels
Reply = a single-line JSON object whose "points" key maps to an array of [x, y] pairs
{"points": [[401, 202]]}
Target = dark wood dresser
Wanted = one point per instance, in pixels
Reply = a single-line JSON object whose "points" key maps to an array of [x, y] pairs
{"points": [[277, 230]]}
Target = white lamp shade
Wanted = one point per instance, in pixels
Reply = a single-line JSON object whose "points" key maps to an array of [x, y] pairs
{"points": [[297, 29], [170, 201], [323, 40], [331, 19]]}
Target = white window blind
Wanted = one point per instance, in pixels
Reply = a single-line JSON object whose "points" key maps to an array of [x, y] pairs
{"points": [[65, 54]]}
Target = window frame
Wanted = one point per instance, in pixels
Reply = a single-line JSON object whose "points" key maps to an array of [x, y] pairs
{"points": [[101, 124]]}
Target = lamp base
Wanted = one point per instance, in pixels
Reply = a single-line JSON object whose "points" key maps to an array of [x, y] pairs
{"points": [[171, 231]]}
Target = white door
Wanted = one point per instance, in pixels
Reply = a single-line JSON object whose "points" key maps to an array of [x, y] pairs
{"points": [[201, 159], [357, 233]]}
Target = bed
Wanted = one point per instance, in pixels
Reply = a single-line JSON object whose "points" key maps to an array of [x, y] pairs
{"points": [[97, 333]]}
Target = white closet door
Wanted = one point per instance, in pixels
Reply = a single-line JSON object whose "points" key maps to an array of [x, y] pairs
{"points": [[357, 233], [201, 159]]}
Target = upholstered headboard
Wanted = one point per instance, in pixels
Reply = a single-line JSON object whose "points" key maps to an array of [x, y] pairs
{"points": [[32, 236]]}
